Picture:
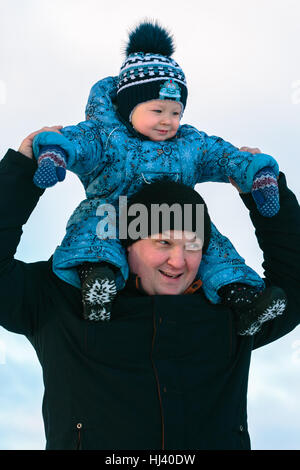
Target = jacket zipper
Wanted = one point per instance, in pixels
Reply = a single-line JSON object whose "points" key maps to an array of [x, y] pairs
{"points": [[158, 386], [78, 427]]}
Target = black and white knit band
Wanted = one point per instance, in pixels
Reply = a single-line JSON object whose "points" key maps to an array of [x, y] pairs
{"points": [[144, 77]]}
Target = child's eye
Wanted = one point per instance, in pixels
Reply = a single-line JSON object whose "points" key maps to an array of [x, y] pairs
{"points": [[157, 110]]}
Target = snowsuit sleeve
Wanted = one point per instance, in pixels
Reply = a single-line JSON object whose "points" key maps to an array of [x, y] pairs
{"points": [[18, 280], [81, 143], [219, 160], [279, 239]]}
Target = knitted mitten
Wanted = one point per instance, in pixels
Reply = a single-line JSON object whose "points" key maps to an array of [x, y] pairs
{"points": [[251, 307], [265, 192], [98, 290], [51, 166]]}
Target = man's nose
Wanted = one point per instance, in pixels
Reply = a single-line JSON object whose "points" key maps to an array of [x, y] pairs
{"points": [[177, 257]]}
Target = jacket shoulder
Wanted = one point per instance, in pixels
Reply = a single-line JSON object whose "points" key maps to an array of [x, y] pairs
{"points": [[100, 106], [105, 84], [192, 133]]}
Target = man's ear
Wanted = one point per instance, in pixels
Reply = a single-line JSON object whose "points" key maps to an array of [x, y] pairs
{"points": [[128, 248]]}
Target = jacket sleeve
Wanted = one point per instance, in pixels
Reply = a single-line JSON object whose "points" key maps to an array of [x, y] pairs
{"points": [[18, 280], [82, 143], [219, 160], [279, 239]]}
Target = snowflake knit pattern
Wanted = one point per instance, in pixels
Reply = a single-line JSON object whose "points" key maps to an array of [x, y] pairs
{"points": [[51, 166]]}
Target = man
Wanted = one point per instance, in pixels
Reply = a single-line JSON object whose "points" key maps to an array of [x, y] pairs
{"points": [[168, 371]]}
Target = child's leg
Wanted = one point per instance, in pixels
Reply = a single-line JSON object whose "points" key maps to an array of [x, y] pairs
{"points": [[227, 279], [222, 265], [98, 289]]}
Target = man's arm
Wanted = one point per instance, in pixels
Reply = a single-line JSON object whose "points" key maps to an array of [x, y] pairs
{"points": [[279, 239], [19, 281]]}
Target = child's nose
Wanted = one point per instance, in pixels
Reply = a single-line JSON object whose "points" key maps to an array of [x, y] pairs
{"points": [[165, 118]]}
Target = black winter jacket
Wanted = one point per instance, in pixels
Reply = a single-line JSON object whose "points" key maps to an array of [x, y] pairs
{"points": [[167, 372]]}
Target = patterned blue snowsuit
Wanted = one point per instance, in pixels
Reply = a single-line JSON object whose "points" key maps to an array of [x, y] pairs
{"points": [[111, 161]]}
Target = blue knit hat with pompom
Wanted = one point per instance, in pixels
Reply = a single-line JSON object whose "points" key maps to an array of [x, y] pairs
{"points": [[149, 73]]}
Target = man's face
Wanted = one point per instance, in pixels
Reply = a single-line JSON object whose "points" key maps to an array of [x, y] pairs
{"points": [[165, 263], [157, 119]]}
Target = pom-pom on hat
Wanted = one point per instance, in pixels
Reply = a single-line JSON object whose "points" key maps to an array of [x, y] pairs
{"points": [[148, 72]]}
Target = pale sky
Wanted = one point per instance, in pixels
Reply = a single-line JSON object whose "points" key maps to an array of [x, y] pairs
{"points": [[241, 60]]}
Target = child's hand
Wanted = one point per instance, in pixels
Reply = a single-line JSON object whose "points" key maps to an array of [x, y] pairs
{"points": [[264, 190], [244, 149], [26, 145], [250, 150], [52, 164]]}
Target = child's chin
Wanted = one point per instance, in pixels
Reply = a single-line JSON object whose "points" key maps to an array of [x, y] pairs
{"points": [[159, 138]]}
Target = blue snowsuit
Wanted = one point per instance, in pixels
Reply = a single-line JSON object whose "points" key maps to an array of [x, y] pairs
{"points": [[111, 161]]}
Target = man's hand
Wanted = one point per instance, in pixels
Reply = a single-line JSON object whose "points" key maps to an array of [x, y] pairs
{"points": [[26, 146], [250, 150]]}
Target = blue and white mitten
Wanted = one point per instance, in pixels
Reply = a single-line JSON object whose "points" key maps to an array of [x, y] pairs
{"points": [[265, 192], [51, 166]]}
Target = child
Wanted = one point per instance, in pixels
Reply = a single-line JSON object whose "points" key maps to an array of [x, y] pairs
{"points": [[132, 136]]}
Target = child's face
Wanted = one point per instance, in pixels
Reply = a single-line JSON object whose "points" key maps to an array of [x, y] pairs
{"points": [[157, 119]]}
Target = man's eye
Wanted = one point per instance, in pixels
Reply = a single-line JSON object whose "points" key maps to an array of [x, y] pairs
{"points": [[157, 110], [193, 246], [163, 242]]}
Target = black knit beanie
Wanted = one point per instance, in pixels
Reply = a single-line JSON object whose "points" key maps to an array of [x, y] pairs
{"points": [[149, 73], [186, 210]]}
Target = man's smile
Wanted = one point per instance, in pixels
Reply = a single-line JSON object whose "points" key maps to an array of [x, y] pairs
{"points": [[169, 275]]}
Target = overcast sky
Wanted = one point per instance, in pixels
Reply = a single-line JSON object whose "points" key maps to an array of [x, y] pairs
{"points": [[241, 60]]}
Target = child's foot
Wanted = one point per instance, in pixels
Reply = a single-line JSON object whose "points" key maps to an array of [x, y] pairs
{"points": [[252, 308], [98, 292]]}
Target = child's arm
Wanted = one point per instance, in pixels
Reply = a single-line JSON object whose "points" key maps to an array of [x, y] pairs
{"points": [[78, 148], [220, 161]]}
